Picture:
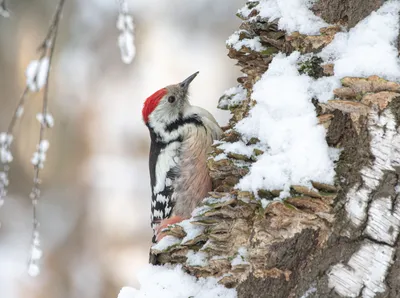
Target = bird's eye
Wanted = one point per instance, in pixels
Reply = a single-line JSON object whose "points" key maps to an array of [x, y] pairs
{"points": [[171, 99]]}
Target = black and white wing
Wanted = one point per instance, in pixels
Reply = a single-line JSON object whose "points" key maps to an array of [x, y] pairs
{"points": [[163, 163]]}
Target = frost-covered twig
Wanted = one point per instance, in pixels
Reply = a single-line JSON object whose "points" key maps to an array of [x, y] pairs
{"points": [[33, 83], [3, 9], [6, 139], [37, 74], [126, 38], [43, 67]]}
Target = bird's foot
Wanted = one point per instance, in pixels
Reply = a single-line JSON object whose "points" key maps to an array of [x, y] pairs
{"points": [[165, 223]]}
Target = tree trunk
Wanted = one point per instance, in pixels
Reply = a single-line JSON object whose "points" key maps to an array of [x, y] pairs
{"points": [[336, 240]]}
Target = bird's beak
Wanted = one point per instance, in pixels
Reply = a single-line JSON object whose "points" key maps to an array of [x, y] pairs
{"points": [[185, 84]]}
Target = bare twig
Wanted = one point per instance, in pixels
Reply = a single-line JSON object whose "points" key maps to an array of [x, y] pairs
{"points": [[17, 112], [52, 32]]}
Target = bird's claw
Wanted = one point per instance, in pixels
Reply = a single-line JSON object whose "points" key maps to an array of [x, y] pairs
{"points": [[164, 224]]}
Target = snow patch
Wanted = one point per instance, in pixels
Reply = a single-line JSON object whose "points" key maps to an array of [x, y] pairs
{"points": [[370, 48], [196, 258], [293, 15], [265, 203], [241, 258], [238, 147], [192, 231], [211, 200], [322, 88], [220, 156], [199, 211], [127, 292], [165, 243], [253, 44], [232, 97], [173, 282], [284, 120]]}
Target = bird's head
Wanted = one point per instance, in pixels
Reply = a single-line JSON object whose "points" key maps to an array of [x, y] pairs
{"points": [[167, 104]]}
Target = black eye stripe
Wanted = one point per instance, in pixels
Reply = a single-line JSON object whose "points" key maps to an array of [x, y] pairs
{"points": [[171, 99]]}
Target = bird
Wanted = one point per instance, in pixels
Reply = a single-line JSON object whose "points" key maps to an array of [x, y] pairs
{"points": [[181, 137]]}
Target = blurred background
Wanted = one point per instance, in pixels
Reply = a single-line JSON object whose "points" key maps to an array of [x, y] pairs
{"points": [[95, 205]]}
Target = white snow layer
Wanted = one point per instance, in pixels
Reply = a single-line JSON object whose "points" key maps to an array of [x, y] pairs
{"points": [[166, 243], [169, 282], [369, 48], [253, 44], [232, 97], [284, 120], [322, 88], [241, 257], [192, 231], [196, 258], [293, 15], [238, 147]]}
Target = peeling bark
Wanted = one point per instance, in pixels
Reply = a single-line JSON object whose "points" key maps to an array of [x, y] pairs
{"points": [[336, 240]]}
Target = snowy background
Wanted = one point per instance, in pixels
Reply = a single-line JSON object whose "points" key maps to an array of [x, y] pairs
{"points": [[95, 207]]}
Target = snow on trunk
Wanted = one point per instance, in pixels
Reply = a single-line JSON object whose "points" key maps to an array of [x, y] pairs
{"points": [[168, 282]]}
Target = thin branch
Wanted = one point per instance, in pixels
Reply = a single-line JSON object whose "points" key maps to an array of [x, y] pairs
{"points": [[52, 32], [16, 113]]}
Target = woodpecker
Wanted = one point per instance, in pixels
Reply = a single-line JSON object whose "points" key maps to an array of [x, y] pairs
{"points": [[181, 137]]}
